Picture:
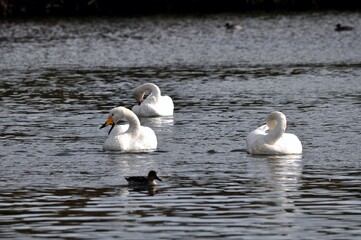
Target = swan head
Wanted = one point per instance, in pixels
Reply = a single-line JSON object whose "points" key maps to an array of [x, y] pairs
{"points": [[115, 115], [275, 118], [141, 90], [139, 95]]}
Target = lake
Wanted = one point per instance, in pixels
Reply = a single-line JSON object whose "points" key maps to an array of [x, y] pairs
{"points": [[60, 77]]}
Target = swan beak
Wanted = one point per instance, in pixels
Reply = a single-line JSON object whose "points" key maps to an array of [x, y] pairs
{"points": [[108, 122], [140, 101], [111, 128]]}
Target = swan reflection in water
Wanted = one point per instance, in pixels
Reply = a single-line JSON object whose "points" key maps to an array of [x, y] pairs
{"points": [[286, 171], [157, 122], [280, 176]]}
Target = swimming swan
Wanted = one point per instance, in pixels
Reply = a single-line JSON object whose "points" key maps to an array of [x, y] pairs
{"points": [[154, 105], [271, 139], [132, 137]]}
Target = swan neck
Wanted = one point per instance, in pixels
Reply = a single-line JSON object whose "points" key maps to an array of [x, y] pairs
{"points": [[152, 87], [277, 132], [134, 123]]}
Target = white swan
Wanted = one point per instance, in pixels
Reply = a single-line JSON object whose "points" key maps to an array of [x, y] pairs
{"points": [[271, 139], [132, 137], [154, 105]]}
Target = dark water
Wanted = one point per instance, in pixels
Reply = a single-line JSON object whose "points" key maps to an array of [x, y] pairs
{"points": [[59, 78]]}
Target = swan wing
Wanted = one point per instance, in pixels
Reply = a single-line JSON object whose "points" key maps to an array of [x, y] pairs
{"points": [[254, 137], [154, 107], [114, 142], [147, 140], [119, 129], [126, 142], [288, 144], [165, 106], [146, 108], [136, 110]]}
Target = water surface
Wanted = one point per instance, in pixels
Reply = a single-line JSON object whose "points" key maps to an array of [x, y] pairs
{"points": [[60, 78]]}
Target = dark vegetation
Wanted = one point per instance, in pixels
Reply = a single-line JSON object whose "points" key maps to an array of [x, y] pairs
{"points": [[15, 8]]}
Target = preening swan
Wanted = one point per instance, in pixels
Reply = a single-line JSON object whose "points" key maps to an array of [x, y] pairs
{"points": [[155, 105], [271, 139], [132, 137]]}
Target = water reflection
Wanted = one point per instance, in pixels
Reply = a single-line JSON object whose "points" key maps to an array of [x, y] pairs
{"points": [[287, 170], [150, 190], [280, 176], [286, 175], [158, 122], [52, 211]]}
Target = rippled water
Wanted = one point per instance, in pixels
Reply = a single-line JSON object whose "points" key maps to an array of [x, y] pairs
{"points": [[59, 79]]}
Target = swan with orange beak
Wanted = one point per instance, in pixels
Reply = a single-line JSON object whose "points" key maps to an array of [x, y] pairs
{"points": [[131, 137]]}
